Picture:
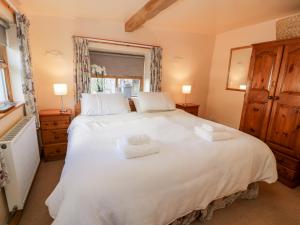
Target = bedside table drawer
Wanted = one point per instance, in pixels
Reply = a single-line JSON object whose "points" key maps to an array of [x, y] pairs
{"points": [[286, 173], [55, 151], [55, 118], [286, 161], [61, 124], [189, 108], [54, 136], [193, 111]]}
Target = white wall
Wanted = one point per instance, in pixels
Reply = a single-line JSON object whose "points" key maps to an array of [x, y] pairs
{"points": [[186, 56], [225, 106]]}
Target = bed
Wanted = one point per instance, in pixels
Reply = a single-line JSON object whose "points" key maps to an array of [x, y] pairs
{"points": [[99, 187]]}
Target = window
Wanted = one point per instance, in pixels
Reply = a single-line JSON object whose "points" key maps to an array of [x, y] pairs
{"points": [[106, 85], [5, 90], [116, 72], [129, 87]]}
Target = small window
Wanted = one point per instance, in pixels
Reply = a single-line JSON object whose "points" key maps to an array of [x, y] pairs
{"points": [[129, 87], [5, 90], [106, 85], [117, 72]]}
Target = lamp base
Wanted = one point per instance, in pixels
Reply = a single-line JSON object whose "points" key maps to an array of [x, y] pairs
{"points": [[62, 108]]}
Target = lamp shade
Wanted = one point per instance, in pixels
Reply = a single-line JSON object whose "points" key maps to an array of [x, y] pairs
{"points": [[243, 86], [60, 89], [186, 89]]}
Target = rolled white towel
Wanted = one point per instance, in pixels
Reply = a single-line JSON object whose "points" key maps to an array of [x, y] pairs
{"points": [[136, 146], [213, 136], [137, 139], [213, 128]]}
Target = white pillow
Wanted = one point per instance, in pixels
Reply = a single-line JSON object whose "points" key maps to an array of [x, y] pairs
{"points": [[90, 104], [155, 101], [103, 104]]}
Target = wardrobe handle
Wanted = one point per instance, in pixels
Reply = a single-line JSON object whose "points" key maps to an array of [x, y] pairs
{"points": [[276, 98], [270, 97]]}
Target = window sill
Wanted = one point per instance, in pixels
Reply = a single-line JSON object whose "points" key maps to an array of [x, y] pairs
{"points": [[9, 111], [7, 106]]}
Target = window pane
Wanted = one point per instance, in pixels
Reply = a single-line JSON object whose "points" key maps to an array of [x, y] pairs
{"points": [[129, 87], [106, 85], [3, 89]]}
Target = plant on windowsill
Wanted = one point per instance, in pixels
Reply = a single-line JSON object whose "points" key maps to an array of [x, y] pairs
{"points": [[99, 72]]}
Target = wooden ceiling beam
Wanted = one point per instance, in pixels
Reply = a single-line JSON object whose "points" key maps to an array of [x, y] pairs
{"points": [[148, 11]]}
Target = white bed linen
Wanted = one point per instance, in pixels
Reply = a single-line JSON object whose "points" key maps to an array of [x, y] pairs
{"points": [[97, 187]]}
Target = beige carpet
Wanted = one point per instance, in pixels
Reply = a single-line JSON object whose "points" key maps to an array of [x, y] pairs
{"points": [[276, 204]]}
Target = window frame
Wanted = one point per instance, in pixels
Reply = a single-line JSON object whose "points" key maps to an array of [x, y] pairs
{"points": [[3, 52], [117, 77]]}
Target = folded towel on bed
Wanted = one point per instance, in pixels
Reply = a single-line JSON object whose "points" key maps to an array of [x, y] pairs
{"points": [[213, 128], [213, 136], [136, 146]]}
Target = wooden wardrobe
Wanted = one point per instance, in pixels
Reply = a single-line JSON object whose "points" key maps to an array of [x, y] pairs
{"points": [[271, 108]]}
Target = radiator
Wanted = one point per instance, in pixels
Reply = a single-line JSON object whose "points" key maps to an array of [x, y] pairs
{"points": [[21, 154]]}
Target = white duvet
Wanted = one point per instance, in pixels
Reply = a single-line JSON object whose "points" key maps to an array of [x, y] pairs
{"points": [[98, 187]]}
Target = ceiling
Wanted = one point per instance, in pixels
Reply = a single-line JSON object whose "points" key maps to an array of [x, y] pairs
{"points": [[197, 16]]}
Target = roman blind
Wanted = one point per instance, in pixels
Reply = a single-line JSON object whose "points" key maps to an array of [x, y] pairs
{"points": [[117, 64]]}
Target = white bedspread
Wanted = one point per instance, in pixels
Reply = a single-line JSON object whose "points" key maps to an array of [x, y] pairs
{"points": [[98, 187]]}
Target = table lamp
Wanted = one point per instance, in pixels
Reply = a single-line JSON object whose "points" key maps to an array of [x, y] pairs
{"points": [[186, 89], [61, 90], [243, 86]]}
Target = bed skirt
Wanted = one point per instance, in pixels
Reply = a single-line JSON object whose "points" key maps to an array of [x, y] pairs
{"points": [[206, 214]]}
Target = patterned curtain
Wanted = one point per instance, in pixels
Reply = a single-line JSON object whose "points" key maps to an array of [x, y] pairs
{"points": [[155, 67], [3, 171], [28, 86], [82, 67]]}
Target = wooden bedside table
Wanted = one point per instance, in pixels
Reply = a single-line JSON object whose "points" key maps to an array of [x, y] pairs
{"points": [[54, 125], [189, 107]]}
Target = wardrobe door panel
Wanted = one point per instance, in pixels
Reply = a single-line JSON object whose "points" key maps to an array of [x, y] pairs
{"points": [[254, 114], [262, 72], [284, 129], [262, 79]]}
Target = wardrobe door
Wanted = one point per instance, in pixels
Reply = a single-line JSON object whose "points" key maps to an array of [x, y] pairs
{"points": [[284, 128], [262, 79]]}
